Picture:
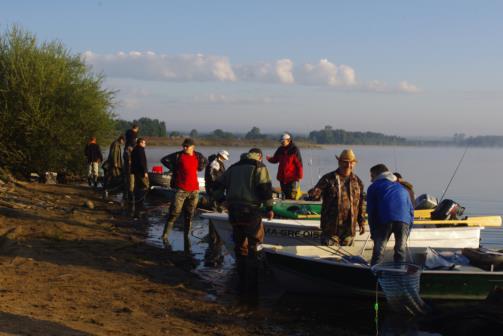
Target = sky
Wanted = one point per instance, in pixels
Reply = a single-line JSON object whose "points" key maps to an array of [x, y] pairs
{"points": [[423, 68]]}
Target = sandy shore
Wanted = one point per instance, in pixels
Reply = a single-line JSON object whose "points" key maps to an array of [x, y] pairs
{"points": [[71, 269]]}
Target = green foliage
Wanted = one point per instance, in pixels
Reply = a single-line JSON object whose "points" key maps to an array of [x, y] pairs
{"points": [[50, 104], [339, 136], [254, 134], [483, 141], [219, 134], [148, 127], [194, 133]]}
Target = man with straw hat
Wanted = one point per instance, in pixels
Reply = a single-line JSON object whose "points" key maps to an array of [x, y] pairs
{"points": [[342, 206]]}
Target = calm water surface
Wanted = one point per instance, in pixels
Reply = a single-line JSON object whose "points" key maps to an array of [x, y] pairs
{"points": [[477, 186]]}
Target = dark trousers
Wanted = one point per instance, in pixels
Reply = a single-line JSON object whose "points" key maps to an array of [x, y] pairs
{"points": [[381, 236], [247, 237], [290, 189], [141, 185]]}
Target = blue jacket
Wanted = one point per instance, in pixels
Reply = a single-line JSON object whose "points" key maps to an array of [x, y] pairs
{"points": [[387, 202]]}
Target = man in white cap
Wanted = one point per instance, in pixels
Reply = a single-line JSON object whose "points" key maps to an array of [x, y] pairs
{"points": [[290, 170], [342, 207], [214, 170]]}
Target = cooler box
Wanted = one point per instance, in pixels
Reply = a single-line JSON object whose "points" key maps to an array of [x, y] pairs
{"points": [[157, 169]]}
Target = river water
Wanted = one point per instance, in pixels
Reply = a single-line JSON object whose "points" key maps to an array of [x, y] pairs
{"points": [[476, 185]]}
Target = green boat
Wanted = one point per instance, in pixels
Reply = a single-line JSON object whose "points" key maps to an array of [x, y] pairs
{"points": [[291, 209], [297, 209], [323, 270]]}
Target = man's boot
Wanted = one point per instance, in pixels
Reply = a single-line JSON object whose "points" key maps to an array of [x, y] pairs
{"points": [[252, 276], [241, 272]]}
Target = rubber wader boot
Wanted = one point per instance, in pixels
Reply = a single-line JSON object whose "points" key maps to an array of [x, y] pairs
{"points": [[252, 275], [241, 272]]}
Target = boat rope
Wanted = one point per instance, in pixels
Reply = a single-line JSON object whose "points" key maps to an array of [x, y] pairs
{"points": [[376, 307], [336, 249], [454, 174]]}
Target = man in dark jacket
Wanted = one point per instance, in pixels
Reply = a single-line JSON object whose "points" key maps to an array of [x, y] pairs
{"points": [[247, 187], [184, 164], [140, 171], [342, 207], [94, 157], [130, 142], [290, 170], [389, 211]]}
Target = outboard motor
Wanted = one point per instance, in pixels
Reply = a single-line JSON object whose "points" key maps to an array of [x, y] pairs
{"points": [[426, 201], [447, 209]]}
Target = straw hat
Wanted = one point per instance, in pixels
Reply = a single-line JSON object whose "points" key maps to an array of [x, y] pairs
{"points": [[224, 154], [347, 155]]}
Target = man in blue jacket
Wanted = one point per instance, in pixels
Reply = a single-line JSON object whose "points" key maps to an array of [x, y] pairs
{"points": [[389, 211]]}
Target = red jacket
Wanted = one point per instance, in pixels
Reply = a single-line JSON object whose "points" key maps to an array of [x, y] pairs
{"points": [[290, 163]]}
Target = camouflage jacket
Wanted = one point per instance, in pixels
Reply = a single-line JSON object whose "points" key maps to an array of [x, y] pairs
{"points": [[329, 187]]}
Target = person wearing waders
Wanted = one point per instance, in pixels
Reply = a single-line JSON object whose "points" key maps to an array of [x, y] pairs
{"points": [[113, 165], [214, 170], [130, 143], [246, 186], [139, 170], [94, 157], [184, 164]]}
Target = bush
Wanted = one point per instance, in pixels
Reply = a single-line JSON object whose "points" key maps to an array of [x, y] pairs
{"points": [[50, 104]]}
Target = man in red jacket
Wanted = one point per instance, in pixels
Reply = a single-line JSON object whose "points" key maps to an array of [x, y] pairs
{"points": [[290, 170], [184, 164]]}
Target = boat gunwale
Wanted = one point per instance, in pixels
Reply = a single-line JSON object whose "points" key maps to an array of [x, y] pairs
{"points": [[271, 249]]}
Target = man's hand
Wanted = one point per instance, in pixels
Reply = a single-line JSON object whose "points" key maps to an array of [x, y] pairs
{"points": [[314, 193], [146, 175], [270, 214], [268, 157], [362, 229]]}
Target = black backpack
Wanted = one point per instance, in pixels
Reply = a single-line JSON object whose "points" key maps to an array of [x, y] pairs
{"points": [[446, 210]]}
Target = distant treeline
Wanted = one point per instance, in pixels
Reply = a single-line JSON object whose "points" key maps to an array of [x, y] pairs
{"points": [[478, 141], [327, 135]]}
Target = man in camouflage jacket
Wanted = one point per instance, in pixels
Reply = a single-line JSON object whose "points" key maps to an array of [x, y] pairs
{"points": [[342, 206]]}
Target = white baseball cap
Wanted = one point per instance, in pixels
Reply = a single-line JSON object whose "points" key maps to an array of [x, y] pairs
{"points": [[285, 136], [224, 154]]}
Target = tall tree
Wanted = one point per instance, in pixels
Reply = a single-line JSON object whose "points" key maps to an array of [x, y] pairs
{"points": [[50, 104]]}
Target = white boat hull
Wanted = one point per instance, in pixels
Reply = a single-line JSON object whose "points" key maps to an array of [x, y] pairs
{"points": [[287, 232]]}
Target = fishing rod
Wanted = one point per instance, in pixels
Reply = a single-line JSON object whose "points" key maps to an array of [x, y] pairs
{"points": [[454, 174]]}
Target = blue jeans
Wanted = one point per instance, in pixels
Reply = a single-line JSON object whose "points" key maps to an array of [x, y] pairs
{"points": [[381, 236]]}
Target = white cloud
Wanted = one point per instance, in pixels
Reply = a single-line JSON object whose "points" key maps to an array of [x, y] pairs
{"points": [[151, 66], [200, 68], [326, 73], [380, 86], [405, 86], [217, 98], [284, 71]]}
